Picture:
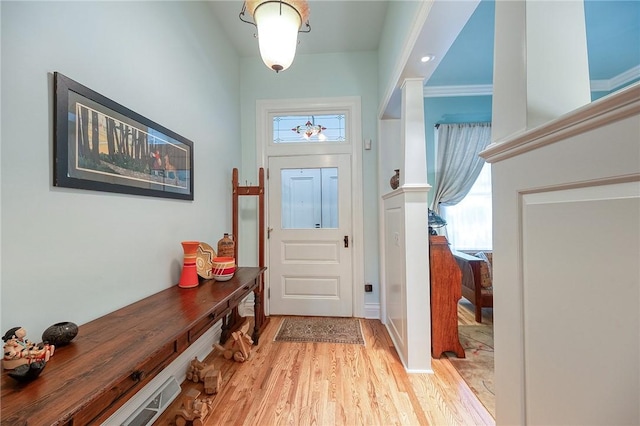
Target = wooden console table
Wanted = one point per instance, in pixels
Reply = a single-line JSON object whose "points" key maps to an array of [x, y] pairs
{"points": [[116, 355]]}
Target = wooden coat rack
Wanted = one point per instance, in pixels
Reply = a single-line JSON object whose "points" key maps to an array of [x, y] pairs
{"points": [[256, 191]]}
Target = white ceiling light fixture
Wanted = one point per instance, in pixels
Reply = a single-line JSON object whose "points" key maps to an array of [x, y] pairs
{"points": [[427, 58], [278, 23]]}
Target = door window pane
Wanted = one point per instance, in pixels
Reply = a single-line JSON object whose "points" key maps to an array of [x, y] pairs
{"points": [[309, 198], [309, 128]]}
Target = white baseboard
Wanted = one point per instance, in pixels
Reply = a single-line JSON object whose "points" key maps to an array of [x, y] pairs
{"points": [[372, 310], [178, 368]]}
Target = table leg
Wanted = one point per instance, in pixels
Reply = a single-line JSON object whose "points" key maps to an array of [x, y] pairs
{"points": [[258, 312]]}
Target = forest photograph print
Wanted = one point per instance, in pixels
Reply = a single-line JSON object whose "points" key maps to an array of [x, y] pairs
{"points": [[101, 145]]}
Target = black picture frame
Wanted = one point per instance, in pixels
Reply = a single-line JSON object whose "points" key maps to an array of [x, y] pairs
{"points": [[101, 145]]}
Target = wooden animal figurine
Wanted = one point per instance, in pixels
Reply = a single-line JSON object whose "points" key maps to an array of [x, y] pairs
{"points": [[200, 372], [18, 350]]}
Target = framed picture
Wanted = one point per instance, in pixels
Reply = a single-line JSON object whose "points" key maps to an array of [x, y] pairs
{"points": [[101, 145]]}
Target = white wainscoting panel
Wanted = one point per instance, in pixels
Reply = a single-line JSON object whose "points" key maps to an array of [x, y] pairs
{"points": [[566, 269], [590, 313], [394, 278], [407, 276]]}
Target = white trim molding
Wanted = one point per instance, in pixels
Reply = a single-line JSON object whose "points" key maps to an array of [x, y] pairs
{"points": [[617, 81], [372, 311], [450, 91], [487, 89], [609, 109]]}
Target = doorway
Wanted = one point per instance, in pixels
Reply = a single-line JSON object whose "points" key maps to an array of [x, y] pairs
{"points": [[310, 263], [311, 149]]}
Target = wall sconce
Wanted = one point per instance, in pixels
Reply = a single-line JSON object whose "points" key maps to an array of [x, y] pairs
{"points": [[278, 23]]}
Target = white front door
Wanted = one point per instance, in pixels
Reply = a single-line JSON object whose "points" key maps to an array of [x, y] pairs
{"points": [[310, 254]]}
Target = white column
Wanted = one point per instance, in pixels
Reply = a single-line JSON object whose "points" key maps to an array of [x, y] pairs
{"points": [[541, 68], [414, 189], [413, 146]]}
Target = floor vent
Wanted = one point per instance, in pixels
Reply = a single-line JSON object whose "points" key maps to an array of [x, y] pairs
{"points": [[155, 405]]}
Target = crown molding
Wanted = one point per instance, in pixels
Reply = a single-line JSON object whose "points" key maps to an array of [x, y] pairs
{"points": [[448, 91], [617, 81], [487, 89]]}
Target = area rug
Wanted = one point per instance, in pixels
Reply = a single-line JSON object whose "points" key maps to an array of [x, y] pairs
{"points": [[477, 368], [320, 329]]}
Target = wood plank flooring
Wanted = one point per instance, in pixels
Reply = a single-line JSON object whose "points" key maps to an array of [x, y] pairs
{"points": [[336, 384]]}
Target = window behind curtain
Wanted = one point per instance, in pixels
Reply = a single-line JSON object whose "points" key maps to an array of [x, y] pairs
{"points": [[469, 222]]}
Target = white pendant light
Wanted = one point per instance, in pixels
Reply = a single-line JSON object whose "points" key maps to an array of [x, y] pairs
{"points": [[278, 23]]}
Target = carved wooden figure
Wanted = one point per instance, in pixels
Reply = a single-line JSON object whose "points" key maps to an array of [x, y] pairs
{"points": [[193, 409], [240, 347], [201, 372]]}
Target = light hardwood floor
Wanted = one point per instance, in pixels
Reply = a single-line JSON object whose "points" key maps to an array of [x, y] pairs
{"points": [[337, 384]]}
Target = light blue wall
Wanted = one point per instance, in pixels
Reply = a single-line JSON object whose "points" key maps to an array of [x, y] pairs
{"points": [[462, 109], [315, 76], [75, 255], [398, 22]]}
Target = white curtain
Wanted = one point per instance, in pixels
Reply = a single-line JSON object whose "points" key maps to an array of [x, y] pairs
{"points": [[469, 222], [458, 163]]}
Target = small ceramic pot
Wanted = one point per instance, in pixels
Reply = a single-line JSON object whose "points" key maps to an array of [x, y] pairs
{"points": [[395, 179], [223, 268], [60, 334], [27, 372]]}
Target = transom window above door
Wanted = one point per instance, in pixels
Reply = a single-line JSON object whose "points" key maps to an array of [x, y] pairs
{"points": [[309, 128]]}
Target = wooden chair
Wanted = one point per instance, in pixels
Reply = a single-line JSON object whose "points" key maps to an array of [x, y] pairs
{"points": [[477, 286]]}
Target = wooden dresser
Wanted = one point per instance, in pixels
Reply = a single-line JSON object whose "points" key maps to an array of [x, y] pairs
{"points": [[116, 355], [446, 279]]}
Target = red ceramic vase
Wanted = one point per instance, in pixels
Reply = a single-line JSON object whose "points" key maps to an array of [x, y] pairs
{"points": [[189, 276]]}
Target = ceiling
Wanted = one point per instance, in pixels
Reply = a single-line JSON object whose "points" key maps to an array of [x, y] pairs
{"points": [[336, 26], [613, 44], [613, 36]]}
